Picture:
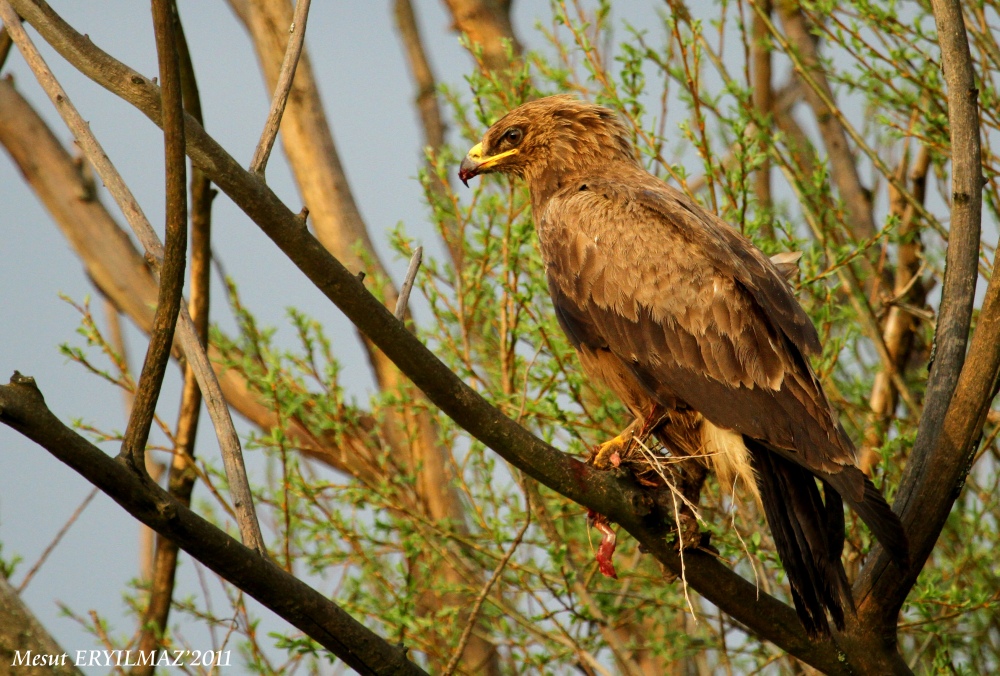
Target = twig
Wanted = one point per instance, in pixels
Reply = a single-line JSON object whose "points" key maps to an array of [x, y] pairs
{"points": [[228, 440], [763, 101], [5, 44], [56, 540], [411, 274], [171, 291], [288, 65], [471, 622]]}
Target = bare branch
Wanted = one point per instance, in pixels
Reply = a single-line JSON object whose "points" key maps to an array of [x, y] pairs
{"points": [[285, 76], [168, 304], [420, 68], [23, 408], [121, 274], [638, 511], [487, 24], [959, 388], [182, 475], [5, 44], [411, 275], [228, 441], [55, 541], [843, 168]]}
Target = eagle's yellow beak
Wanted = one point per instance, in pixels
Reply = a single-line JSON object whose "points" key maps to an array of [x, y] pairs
{"points": [[475, 164]]}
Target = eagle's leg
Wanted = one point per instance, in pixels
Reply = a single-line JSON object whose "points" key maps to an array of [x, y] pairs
{"points": [[603, 455], [638, 430]]}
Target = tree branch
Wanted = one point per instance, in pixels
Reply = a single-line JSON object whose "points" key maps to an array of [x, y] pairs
{"points": [[487, 24], [618, 499], [23, 408], [121, 274], [228, 441], [842, 165], [959, 389], [182, 475], [284, 85], [171, 291]]}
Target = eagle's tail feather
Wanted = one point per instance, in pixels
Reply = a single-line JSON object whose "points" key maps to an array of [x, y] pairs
{"points": [[876, 513], [809, 536]]}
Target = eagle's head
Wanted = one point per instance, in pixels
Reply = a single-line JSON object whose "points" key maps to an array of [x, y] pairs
{"points": [[557, 134]]}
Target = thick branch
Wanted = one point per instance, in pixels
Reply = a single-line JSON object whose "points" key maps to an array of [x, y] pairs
{"points": [[121, 274], [23, 408], [600, 491], [959, 389], [182, 475]]}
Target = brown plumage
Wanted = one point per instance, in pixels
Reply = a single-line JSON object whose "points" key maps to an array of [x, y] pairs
{"points": [[695, 329]]}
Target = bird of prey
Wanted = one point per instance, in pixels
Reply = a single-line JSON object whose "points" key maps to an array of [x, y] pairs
{"points": [[697, 332]]}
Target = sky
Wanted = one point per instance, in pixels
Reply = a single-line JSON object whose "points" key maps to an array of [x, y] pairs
{"points": [[368, 95]]}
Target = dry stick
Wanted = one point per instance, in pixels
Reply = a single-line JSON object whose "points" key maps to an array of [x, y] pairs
{"points": [[228, 440], [171, 291], [5, 44], [471, 622], [763, 101], [56, 540], [284, 86], [411, 275]]}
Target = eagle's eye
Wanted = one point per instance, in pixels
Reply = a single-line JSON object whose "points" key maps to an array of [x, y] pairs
{"points": [[512, 136]]}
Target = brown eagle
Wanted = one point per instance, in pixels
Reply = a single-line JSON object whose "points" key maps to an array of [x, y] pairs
{"points": [[696, 330]]}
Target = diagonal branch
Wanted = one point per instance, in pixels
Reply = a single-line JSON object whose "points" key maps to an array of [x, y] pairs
{"points": [[23, 408], [121, 274], [282, 89], [843, 168]]}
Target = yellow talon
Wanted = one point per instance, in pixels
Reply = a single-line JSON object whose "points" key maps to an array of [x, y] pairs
{"points": [[603, 455]]}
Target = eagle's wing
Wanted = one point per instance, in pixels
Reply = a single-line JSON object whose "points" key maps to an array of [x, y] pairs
{"points": [[704, 320], [701, 316]]}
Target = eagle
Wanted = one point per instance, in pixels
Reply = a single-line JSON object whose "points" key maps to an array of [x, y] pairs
{"points": [[696, 331]]}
